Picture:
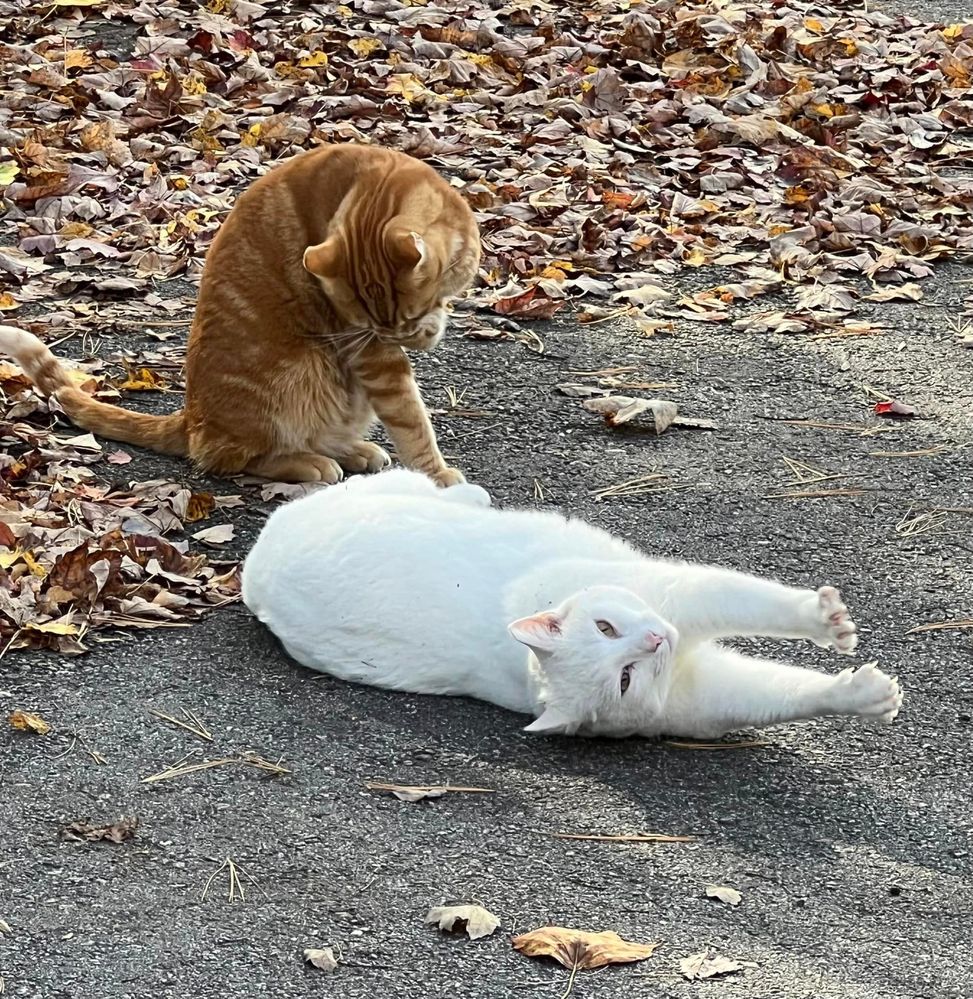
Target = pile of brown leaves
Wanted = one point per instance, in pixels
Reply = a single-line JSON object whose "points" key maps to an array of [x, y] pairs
{"points": [[795, 140], [603, 147], [77, 555]]}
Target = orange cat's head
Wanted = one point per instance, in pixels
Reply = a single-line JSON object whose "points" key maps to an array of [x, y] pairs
{"points": [[395, 279]]}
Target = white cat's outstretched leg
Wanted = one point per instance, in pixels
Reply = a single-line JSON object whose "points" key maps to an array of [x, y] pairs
{"points": [[718, 603], [717, 690]]}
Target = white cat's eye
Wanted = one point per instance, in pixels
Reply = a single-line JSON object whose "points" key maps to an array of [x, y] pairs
{"points": [[627, 676], [606, 629]]}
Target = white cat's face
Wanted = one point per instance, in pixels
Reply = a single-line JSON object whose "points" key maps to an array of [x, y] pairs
{"points": [[604, 655]]}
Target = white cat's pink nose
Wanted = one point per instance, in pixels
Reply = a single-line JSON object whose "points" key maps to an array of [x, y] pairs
{"points": [[653, 641]]}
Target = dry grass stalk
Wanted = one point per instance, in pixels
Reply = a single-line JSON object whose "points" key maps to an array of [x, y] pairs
{"points": [[927, 452], [190, 723], [920, 523], [743, 744], [235, 892], [815, 493], [182, 769], [605, 372], [538, 490], [854, 428], [655, 482], [624, 837], [373, 785], [942, 626], [803, 474]]}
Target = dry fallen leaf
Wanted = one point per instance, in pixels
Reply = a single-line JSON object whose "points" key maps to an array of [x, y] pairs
{"points": [[474, 919], [728, 895], [620, 409], [25, 721], [580, 949], [116, 832], [217, 535], [322, 958], [709, 964], [417, 792], [4, 927]]}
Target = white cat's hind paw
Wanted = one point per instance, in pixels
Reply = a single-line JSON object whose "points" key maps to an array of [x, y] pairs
{"points": [[868, 693], [835, 628]]}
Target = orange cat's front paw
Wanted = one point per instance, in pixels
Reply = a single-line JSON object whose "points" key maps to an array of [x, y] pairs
{"points": [[447, 477]]}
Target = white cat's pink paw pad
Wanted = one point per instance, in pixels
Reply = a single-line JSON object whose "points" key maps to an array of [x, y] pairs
{"points": [[836, 628], [868, 693]]}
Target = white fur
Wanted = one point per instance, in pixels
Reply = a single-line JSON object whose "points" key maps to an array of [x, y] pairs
{"points": [[389, 581]]}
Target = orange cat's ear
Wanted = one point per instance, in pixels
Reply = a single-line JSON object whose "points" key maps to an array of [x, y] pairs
{"points": [[406, 249], [322, 260]]}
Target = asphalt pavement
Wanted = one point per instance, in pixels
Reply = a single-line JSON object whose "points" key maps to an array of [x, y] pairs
{"points": [[849, 845]]}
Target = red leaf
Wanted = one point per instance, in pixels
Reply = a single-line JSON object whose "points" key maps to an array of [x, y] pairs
{"points": [[895, 409]]}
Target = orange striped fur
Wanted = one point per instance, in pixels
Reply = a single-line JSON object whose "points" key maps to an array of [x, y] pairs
{"points": [[325, 272]]}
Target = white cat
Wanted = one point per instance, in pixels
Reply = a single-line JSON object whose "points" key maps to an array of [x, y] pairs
{"points": [[389, 581]]}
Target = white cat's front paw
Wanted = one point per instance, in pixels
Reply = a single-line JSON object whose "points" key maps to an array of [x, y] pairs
{"points": [[868, 693], [834, 626]]}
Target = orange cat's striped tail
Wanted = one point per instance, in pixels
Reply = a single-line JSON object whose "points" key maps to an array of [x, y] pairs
{"points": [[166, 434]]}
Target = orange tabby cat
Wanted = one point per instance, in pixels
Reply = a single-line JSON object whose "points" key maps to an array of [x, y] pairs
{"points": [[325, 269]]}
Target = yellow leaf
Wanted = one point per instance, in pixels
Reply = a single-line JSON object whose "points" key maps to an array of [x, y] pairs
{"points": [[480, 58], [24, 721], [578, 949], [364, 47], [53, 628], [7, 301], [179, 183], [825, 110], [316, 58], [76, 59], [193, 84], [252, 135], [406, 84], [8, 557], [8, 173], [143, 380], [344, 11], [953, 31], [32, 564], [813, 24]]}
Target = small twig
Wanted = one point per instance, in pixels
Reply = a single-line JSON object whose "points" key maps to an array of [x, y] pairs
{"points": [[621, 838], [574, 971], [419, 788], [193, 725], [942, 626], [744, 744]]}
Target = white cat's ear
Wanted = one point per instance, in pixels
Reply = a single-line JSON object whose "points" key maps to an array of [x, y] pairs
{"points": [[322, 260], [550, 722], [406, 249], [539, 631]]}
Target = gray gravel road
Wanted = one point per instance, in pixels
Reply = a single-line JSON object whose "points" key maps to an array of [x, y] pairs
{"points": [[850, 846]]}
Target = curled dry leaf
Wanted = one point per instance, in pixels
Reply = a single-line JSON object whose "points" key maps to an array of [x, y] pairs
{"points": [[4, 927], [723, 894], [474, 919], [709, 964], [25, 721], [321, 957], [83, 831], [620, 409], [581, 949]]}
